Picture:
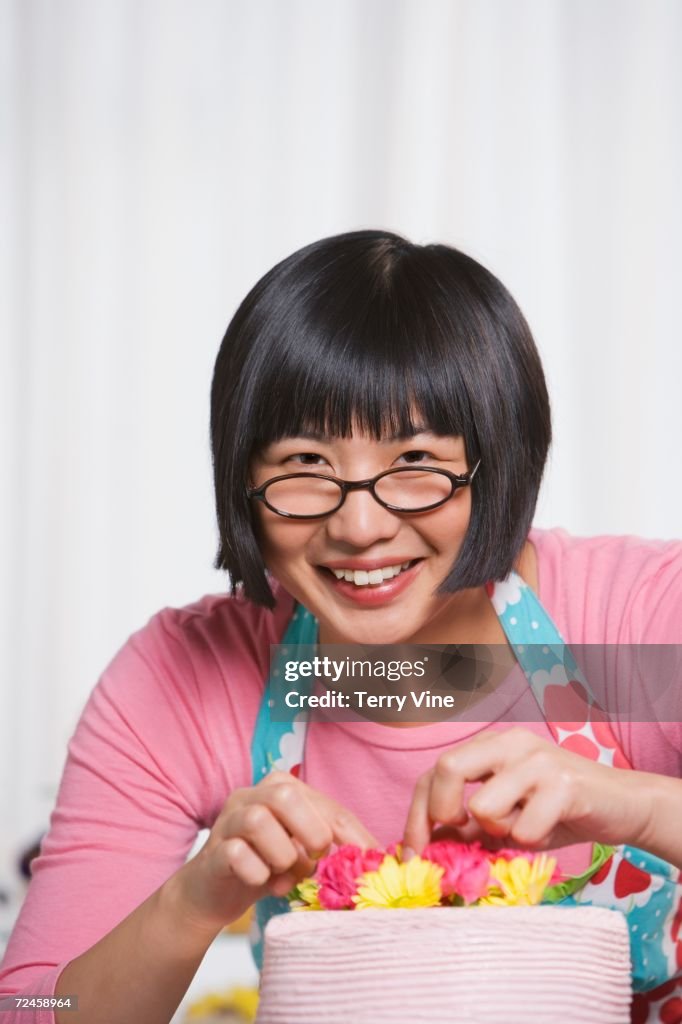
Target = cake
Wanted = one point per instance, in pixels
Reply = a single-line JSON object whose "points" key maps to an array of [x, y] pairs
{"points": [[502, 965]]}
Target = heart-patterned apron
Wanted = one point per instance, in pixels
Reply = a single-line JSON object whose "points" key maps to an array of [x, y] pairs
{"points": [[646, 889]]}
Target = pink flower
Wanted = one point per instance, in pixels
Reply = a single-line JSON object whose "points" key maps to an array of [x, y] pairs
{"points": [[338, 874], [465, 865]]}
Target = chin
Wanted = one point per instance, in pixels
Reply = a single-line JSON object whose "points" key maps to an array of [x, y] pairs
{"points": [[369, 627]]}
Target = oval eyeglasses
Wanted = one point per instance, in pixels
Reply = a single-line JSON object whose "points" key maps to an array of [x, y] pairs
{"points": [[313, 495]]}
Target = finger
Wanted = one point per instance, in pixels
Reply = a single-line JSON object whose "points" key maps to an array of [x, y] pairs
{"points": [[303, 809], [292, 804], [439, 795], [418, 824], [537, 823], [473, 832], [280, 885], [258, 825], [243, 863], [347, 828], [469, 762], [496, 804], [305, 865]]}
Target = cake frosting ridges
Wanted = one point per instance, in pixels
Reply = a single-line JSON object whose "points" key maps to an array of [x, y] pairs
{"points": [[517, 965]]}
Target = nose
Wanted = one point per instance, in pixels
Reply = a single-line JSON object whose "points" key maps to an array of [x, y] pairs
{"points": [[362, 521]]}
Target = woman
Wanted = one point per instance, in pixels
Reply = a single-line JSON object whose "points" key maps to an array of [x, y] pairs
{"points": [[380, 424]]}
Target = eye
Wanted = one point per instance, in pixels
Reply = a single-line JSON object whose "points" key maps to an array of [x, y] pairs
{"points": [[417, 455], [306, 458]]}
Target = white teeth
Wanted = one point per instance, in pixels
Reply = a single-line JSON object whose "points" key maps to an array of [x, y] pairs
{"points": [[363, 578]]}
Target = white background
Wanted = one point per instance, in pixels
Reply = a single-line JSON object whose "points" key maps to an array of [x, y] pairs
{"points": [[158, 156]]}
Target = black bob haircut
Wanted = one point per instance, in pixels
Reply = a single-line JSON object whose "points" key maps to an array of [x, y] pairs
{"points": [[367, 328]]}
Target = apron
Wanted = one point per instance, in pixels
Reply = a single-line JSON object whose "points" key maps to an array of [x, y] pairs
{"points": [[646, 889]]}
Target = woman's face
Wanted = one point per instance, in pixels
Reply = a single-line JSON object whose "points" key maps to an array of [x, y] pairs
{"points": [[362, 535]]}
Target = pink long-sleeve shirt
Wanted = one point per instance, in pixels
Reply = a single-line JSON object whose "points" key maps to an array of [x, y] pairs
{"points": [[165, 737]]}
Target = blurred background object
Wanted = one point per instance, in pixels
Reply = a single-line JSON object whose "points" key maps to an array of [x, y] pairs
{"points": [[157, 157], [241, 925], [233, 1006]]}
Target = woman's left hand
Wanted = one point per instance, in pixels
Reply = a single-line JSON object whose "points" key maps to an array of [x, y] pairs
{"points": [[533, 794]]}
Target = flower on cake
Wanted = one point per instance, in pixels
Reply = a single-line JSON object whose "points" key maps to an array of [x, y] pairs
{"points": [[466, 869], [399, 884], [447, 873], [511, 853], [338, 875], [519, 882], [305, 895]]}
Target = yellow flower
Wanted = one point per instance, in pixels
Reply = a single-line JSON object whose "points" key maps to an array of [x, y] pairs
{"points": [[521, 883], [237, 1000], [394, 884], [306, 891]]}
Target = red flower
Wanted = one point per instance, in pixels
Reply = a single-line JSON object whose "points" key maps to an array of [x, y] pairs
{"points": [[339, 872], [466, 868]]}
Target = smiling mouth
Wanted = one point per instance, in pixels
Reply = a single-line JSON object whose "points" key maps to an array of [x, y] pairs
{"points": [[372, 577]]}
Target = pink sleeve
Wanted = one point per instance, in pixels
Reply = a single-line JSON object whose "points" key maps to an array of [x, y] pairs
{"points": [[656, 745], [139, 782], [657, 606], [624, 591]]}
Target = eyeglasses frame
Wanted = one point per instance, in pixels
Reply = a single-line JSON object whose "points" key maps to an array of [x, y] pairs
{"points": [[457, 480]]}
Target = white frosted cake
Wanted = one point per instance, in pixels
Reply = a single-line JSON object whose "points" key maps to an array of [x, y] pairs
{"points": [[483, 965]]}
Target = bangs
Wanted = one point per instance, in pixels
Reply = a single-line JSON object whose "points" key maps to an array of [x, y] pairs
{"points": [[375, 364]]}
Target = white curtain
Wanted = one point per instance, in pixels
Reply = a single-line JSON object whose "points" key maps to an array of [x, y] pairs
{"points": [[157, 156]]}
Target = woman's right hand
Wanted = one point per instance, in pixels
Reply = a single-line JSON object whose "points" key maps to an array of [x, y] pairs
{"points": [[266, 838]]}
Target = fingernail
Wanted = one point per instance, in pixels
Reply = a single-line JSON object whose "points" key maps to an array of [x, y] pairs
{"points": [[408, 854]]}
